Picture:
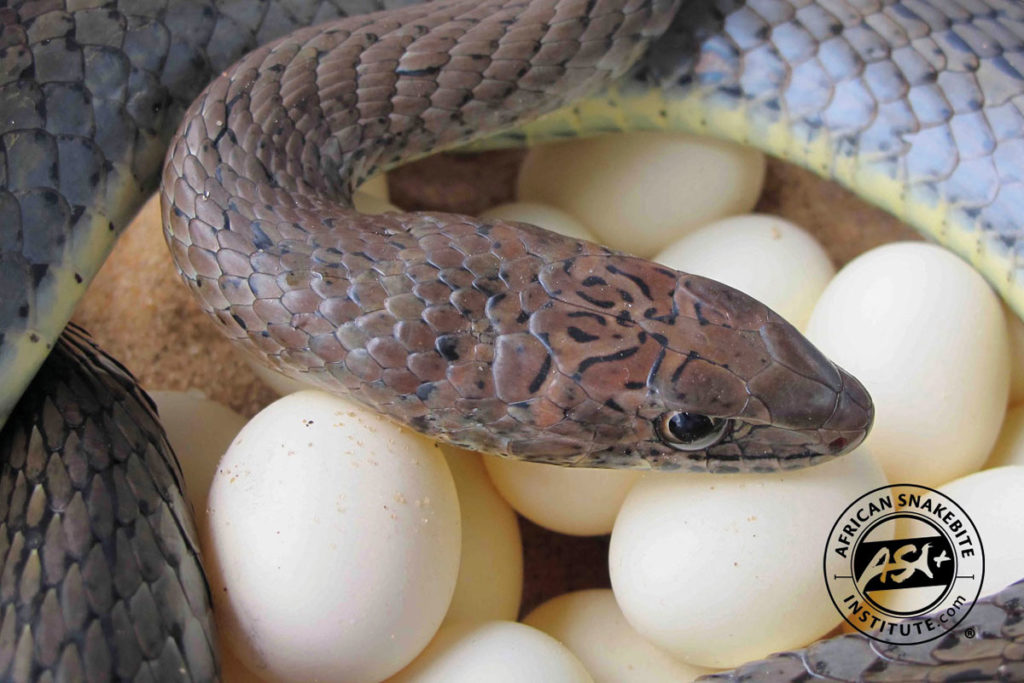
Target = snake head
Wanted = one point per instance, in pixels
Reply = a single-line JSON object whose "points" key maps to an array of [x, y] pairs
{"points": [[682, 372]]}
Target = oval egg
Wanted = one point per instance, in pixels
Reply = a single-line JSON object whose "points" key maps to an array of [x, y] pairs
{"points": [[541, 215], [769, 258], [591, 625], [200, 431], [992, 499], [496, 652], [490, 582], [332, 542], [575, 501], [1009, 448], [638, 192], [718, 570], [926, 335]]}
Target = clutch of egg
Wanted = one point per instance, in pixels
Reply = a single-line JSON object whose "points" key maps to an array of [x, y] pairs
{"points": [[341, 547]]}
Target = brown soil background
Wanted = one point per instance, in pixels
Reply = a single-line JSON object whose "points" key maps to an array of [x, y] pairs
{"points": [[139, 311]]}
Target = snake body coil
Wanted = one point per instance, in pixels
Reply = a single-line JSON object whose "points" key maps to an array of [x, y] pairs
{"points": [[467, 330]]}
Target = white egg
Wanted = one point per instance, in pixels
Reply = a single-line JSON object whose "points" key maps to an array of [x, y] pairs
{"points": [[376, 186], [1016, 327], [496, 652], [200, 431], [721, 569], [927, 337], [575, 501], [541, 215], [281, 383], [591, 625], [641, 191], [368, 203], [332, 543], [992, 499], [769, 258], [1009, 448], [490, 583]]}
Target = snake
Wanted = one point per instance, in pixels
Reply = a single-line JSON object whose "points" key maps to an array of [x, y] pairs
{"points": [[259, 119]]}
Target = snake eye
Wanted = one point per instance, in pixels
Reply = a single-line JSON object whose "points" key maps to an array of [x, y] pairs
{"points": [[691, 431]]}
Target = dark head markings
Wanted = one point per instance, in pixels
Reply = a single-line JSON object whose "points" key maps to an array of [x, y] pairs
{"points": [[697, 307], [638, 281], [610, 358], [588, 314], [692, 355], [542, 374], [579, 336], [600, 303], [610, 403], [668, 318]]}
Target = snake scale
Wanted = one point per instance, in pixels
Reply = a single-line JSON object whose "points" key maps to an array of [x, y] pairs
{"points": [[471, 331]]}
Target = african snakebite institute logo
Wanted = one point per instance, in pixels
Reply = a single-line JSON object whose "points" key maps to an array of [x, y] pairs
{"points": [[904, 564]]}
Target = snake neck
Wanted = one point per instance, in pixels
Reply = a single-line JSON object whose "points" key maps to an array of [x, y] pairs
{"points": [[491, 335], [391, 310], [916, 108]]}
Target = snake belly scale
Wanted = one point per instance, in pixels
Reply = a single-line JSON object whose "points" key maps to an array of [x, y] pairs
{"points": [[464, 329]]}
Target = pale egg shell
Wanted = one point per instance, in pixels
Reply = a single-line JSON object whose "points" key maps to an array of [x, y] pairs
{"points": [[574, 501], [1009, 448], [281, 383], [541, 215], [1016, 327], [718, 570], [776, 262], [490, 583], [927, 337], [992, 499], [641, 191], [332, 543], [200, 431], [376, 186], [368, 203], [496, 652], [591, 625]]}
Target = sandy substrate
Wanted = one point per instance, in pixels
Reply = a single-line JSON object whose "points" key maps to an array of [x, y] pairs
{"points": [[139, 311]]}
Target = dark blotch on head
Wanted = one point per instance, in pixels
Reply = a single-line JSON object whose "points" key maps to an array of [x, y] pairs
{"points": [[579, 336]]}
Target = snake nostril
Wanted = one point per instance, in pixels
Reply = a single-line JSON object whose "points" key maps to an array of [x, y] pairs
{"points": [[838, 444]]}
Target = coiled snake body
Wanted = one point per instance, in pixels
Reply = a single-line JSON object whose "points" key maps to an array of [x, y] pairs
{"points": [[468, 330]]}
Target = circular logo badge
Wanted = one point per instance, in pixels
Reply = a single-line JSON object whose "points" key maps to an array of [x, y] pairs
{"points": [[904, 564]]}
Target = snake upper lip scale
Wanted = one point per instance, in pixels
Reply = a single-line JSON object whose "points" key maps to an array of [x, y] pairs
{"points": [[499, 336]]}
